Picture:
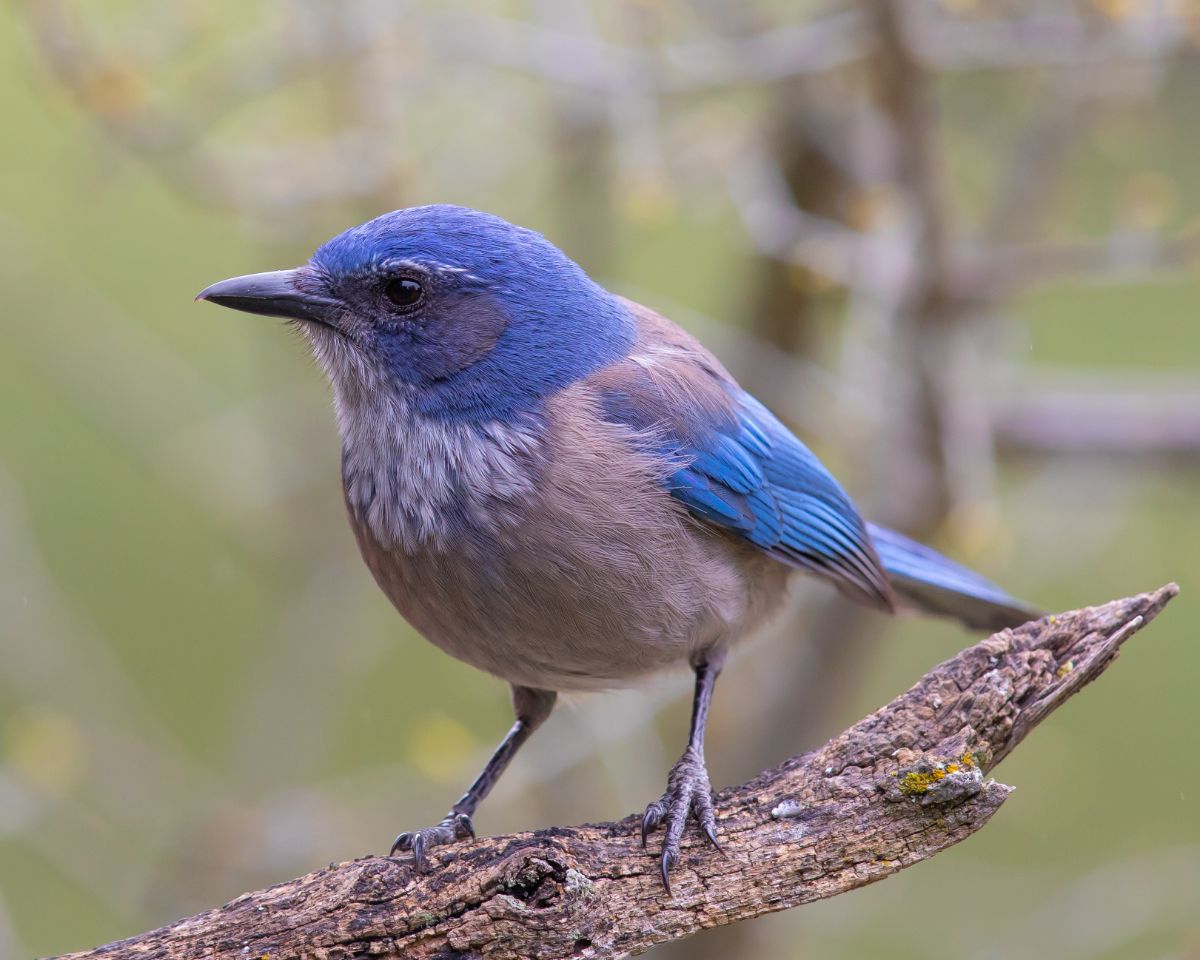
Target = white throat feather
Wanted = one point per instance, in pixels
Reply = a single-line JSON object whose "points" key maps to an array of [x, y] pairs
{"points": [[416, 482]]}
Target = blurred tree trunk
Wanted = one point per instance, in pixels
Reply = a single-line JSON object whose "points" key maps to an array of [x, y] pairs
{"points": [[584, 182], [783, 300]]}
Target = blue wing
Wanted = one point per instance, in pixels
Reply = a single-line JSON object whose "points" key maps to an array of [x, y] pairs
{"points": [[737, 466], [732, 463]]}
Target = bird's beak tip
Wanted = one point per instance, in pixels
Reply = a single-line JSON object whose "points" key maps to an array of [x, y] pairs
{"points": [[231, 285]]}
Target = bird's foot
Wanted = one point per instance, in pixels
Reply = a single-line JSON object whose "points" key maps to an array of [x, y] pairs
{"points": [[688, 794], [455, 826]]}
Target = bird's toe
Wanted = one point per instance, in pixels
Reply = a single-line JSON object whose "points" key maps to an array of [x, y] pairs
{"points": [[688, 796], [455, 826], [652, 818]]}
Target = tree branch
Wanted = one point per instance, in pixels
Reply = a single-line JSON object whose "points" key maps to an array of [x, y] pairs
{"points": [[896, 788], [1153, 423]]}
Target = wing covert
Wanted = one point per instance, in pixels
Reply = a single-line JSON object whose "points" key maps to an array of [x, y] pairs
{"points": [[737, 466]]}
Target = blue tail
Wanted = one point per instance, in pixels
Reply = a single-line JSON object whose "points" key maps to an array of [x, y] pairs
{"points": [[931, 583]]}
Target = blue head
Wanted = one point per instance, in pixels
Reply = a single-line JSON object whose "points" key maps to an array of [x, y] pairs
{"points": [[467, 315]]}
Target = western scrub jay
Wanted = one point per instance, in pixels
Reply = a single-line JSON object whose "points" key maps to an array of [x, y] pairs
{"points": [[562, 487]]}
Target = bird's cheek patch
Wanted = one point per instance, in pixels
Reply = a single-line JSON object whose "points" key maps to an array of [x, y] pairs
{"points": [[462, 333]]}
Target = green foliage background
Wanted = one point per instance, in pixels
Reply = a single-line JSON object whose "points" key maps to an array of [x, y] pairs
{"points": [[201, 690]]}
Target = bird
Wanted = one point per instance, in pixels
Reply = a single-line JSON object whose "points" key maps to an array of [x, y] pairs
{"points": [[563, 488]]}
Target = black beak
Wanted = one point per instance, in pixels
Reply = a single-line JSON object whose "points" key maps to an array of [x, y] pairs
{"points": [[273, 294]]}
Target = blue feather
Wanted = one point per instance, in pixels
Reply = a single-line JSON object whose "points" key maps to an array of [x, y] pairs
{"points": [[746, 472], [935, 584]]}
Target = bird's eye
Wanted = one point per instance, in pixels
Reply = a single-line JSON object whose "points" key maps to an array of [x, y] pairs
{"points": [[403, 292]]}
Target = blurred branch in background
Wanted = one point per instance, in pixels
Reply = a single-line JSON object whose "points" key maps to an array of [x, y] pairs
{"points": [[890, 222]]}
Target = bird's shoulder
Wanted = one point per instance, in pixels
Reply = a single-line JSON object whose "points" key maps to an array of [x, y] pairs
{"points": [[667, 380]]}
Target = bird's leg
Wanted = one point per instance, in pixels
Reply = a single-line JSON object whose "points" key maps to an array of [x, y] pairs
{"points": [[688, 791], [531, 707]]}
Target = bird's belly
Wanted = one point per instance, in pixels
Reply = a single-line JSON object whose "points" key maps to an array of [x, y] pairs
{"points": [[570, 613]]}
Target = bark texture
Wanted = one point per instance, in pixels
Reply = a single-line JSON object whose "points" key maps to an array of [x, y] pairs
{"points": [[898, 787]]}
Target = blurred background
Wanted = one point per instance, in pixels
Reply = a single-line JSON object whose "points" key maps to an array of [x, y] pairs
{"points": [[953, 244]]}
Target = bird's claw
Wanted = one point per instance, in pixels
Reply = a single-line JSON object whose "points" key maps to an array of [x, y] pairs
{"points": [[688, 794], [455, 826]]}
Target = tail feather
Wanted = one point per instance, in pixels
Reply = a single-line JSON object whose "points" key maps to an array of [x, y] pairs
{"points": [[926, 580]]}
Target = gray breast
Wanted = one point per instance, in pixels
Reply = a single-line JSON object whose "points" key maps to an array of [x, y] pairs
{"points": [[550, 557], [417, 485]]}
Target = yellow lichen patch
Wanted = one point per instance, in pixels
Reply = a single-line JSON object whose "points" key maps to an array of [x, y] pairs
{"points": [[1065, 669], [918, 781]]}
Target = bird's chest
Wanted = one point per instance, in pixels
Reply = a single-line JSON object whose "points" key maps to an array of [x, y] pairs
{"points": [[442, 515], [418, 487]]}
